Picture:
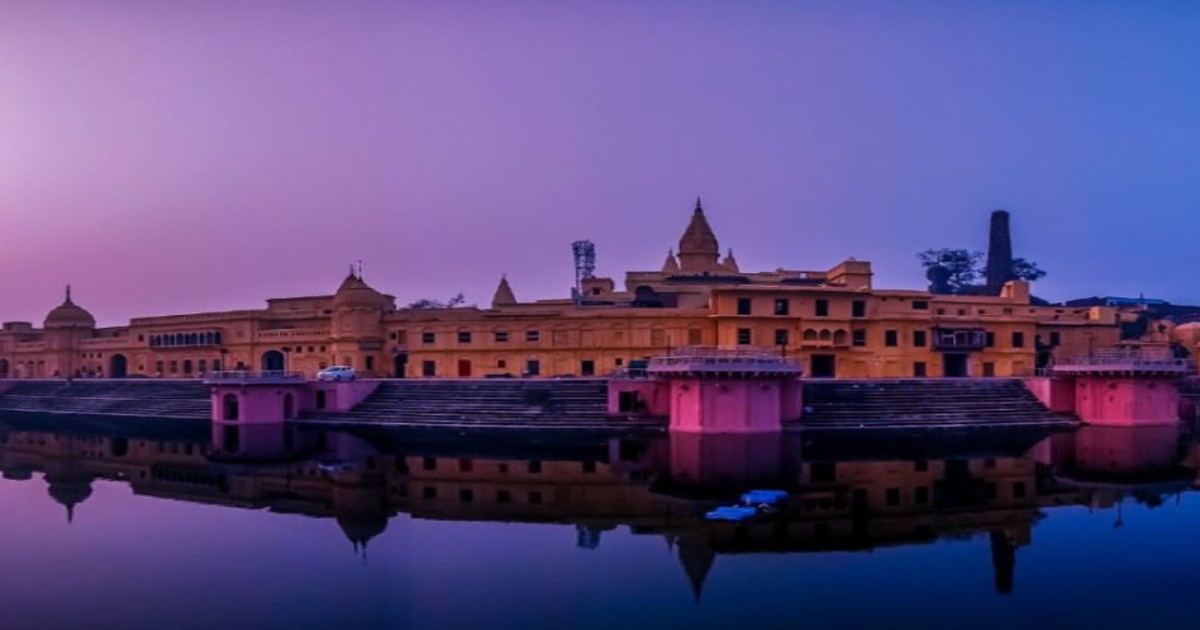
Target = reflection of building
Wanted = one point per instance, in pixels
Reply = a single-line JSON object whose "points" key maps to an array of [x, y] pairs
{"points": [[843, 496], [835, 320]]}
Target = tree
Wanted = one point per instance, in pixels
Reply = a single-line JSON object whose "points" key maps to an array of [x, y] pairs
{"points": [[426, 303], [961, 265], [1026, 270]]}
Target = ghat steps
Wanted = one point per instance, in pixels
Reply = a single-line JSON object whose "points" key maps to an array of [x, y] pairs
{"points": [[844, 404], [157, 399], [557, 403]]}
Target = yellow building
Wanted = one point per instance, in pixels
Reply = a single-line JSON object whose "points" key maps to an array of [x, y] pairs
{"points": [[835, 322]]}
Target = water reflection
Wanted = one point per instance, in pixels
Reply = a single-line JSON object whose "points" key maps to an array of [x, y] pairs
{"points": [[848, 491]]}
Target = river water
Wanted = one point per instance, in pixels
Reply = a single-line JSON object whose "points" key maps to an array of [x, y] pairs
{"points": [[113, 526]]}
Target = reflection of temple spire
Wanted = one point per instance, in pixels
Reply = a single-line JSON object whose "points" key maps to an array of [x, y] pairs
{"points": [[697, 559], [1004, 561]]}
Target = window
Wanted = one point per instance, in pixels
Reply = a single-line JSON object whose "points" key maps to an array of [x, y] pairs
{"points": [[429, 368], [782, 307], [464, 336], [587, 367], [919, 339], [743, 336], [781, 337], [920, 465], [503, 496], [535, 466], [1018, 340], [1018, 489], [892, 496], [858, 308], [466, 495], [920, 370], [466, 464], [533, 336], [822, 472], [695, 337], [535, 497], [533, 367], [743, 306], [429, 463], [990, 340], [428, 337], [501, 363], [858, 338], [429, 492], [821, 308], [989, 368], [501, 336], [891, 338], [921, 495], [962, 312], [920, 305], [1055, 338], [618, 362]]}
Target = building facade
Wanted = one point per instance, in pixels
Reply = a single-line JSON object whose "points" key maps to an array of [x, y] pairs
{"points": [[835, 322]]}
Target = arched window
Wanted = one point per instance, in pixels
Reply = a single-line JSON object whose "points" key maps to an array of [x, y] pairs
{"points": [[839, 337], [810, 334], [826, 335]]}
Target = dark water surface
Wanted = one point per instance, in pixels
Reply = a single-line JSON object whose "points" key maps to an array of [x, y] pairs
{"points": [[989, 529]]}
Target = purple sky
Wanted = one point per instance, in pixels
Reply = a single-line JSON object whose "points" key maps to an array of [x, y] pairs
{"points": [[183, 156]]}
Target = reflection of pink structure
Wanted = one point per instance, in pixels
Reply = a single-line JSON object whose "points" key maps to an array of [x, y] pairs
{"points": [[1117, 387], [708, 459], [1126, 449], [710, 390]]}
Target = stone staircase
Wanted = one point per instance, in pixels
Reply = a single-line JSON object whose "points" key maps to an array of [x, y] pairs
{"points": [[547, 403], [149, 398], [903, 403], [1189, 388]]}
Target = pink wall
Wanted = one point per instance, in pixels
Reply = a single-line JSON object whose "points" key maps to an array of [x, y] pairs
{"points": [[1058, 394], [1126, 402], [262, 404], [341, 396], [726, 406], [791, 400], [654, 393]]}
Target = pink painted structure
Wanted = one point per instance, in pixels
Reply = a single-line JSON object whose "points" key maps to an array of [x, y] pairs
{"points": [[713, 390], [249, 409], [1115, 387]]}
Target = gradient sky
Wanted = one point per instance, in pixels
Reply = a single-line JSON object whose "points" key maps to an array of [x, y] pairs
{"points": [[184, 156]]}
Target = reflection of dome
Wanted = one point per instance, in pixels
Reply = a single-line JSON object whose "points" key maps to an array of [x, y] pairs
{"points": [[69, 493], [361, 512], [361, 528], [69, 315], [354, 293]]}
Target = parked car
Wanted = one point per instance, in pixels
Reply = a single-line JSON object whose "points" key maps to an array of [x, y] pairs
{"points": [[337, 373]]}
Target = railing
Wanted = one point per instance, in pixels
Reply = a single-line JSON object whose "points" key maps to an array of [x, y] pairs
{"points": [[1126, 360], [713, 359], [713, 352], [255, 375]]}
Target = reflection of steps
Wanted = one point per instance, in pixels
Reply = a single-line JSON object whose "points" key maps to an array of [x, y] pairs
{"points": [[157, 399], [924, 402], [558, 403]]}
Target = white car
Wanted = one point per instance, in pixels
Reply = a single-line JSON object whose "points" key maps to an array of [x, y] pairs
{"points": [[337, 373]]}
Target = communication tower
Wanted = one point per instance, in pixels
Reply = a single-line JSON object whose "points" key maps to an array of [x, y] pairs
{"points": [[585, 265]]}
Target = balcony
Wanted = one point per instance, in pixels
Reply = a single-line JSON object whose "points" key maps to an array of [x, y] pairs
{"points": [[706, 360], [1124, 362], [959, 339]]}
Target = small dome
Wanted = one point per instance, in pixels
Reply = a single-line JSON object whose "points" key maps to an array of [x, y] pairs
{"points": [[69, 315], [354, 293]]}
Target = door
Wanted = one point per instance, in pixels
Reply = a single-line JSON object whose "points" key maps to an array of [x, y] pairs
{"points": [[823, 366], [955, 365], [118, 366], [464, 368], [399, 365]]}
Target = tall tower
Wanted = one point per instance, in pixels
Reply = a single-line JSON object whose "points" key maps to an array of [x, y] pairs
{"points": [[698, 250], [1000, 258]]}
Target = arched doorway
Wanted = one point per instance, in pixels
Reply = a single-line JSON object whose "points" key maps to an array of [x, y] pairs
{"points": [[289, 407], [230, 407], [4, 368], [273, 361], [118, 366]]}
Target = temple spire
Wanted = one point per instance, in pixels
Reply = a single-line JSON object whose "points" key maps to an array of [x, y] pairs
{"points": [[698, 248], [670, 265], [68, 299], [504, 294]]}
